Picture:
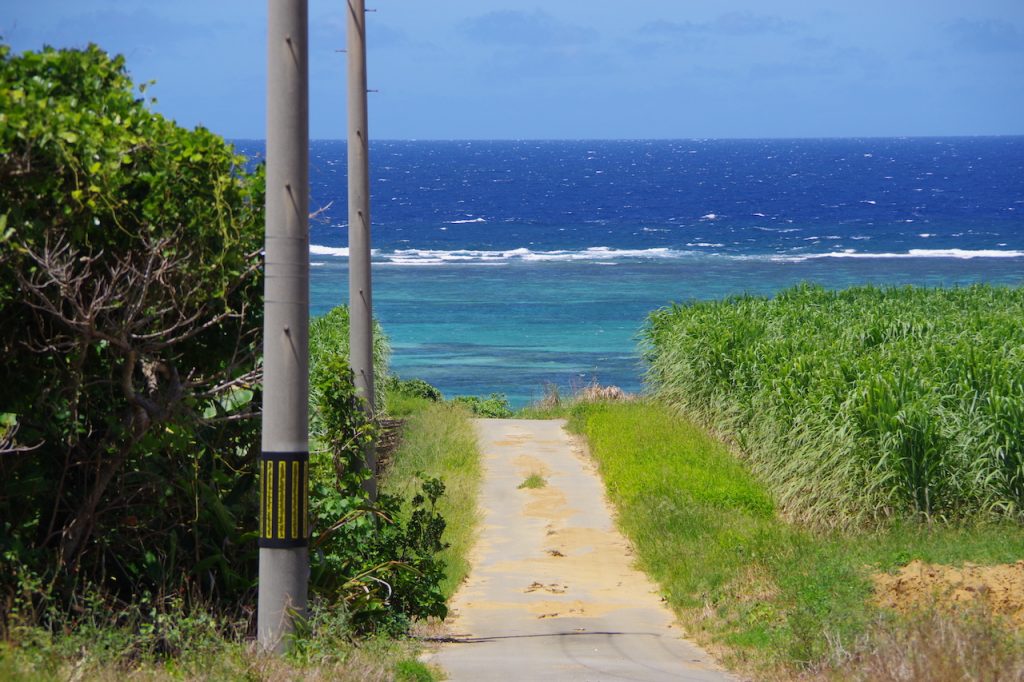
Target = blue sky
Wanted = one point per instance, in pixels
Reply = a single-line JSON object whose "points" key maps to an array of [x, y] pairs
{"points": [[580, 68]]}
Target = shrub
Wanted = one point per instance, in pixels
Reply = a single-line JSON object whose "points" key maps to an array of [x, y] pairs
{"points": [[495, 405], [130, 281], [381, 565], [417, 388], [328, 338]]}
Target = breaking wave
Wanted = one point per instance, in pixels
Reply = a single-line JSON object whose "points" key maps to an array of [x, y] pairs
{"points": [[608, 255]]}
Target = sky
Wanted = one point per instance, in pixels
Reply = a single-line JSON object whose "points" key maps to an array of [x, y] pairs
{"points": [[578, 69]]}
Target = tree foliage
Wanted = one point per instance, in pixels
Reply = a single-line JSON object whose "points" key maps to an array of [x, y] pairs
{"points": [[130, 312], [130, 320], [374, 556]]}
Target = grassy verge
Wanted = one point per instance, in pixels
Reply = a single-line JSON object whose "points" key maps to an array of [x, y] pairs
{"points": [[439, 442], [771, 597], [199, 647]]}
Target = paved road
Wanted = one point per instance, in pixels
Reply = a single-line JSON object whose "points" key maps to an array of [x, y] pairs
{"points": [[552, 594]]}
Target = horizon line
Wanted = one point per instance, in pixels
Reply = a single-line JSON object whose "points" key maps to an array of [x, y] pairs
{"points": [[654, 139]]}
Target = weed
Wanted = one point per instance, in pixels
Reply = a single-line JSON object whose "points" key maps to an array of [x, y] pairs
{"points": [[533, 482], [938, 647], [413, 671]]}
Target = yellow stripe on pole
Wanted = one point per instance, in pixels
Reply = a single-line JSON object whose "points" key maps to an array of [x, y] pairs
{"points": [[282, 469], [295, 500], [268, 477]]}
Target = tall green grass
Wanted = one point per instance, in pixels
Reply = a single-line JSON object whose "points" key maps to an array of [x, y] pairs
{"points": [[439, 442], [861, 404]]}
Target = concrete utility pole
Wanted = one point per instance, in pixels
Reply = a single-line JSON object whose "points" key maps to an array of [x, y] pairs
{"points": [[284, 464], [360, 299]]}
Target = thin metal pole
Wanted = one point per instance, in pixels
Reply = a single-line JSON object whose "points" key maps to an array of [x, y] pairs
{"points": [[359, 282], [284, 464]]}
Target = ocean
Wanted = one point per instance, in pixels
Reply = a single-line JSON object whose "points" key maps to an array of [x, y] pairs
{"points": [[505, 266]]}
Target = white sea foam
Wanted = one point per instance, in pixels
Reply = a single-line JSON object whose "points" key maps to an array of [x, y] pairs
{"points": [[486, 257], [964, 254], [318, 250], [467, 221], [709, 216], [609, 256], [336, 251]]}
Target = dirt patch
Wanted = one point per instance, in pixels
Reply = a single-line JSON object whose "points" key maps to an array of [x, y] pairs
{"points": [[526, 465], [547, 503], [566, 609], [512, 440], [917, 585]]}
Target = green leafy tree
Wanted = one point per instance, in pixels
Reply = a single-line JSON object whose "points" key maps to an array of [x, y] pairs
{"points": [[130, 312]]}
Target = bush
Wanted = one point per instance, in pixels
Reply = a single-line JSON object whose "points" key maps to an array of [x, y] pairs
{"points": [[416, 388], [328, 338], [130, 282], [495, 405], [382, 566]]}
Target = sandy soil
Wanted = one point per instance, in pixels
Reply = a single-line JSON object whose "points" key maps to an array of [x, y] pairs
{"points": [[919, 585]]}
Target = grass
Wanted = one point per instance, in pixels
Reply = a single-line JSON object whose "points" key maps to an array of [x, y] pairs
{"points": [[772, 597], [543, 411], [204, 649], [533, 482], [401, 405], [439, 442], [859, 405], [554, 405], [937, 647]]}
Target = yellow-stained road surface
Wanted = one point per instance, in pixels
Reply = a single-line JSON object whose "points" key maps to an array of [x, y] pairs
{"points": [[553, 593]]}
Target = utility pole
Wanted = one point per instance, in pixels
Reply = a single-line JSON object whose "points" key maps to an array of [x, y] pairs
{"points": [[284, 463], [360, 299]]}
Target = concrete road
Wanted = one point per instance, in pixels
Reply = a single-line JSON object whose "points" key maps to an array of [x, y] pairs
{"points": [[553, 594]]}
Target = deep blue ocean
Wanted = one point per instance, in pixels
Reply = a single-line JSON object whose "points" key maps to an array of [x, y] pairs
{"points": [[504, 266]]}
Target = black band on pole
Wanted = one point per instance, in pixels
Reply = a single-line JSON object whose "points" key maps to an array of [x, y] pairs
{"points": [[284, 499]]}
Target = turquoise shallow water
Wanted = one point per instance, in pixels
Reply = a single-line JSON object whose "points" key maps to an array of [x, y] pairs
{"points": [[512, 328]]}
